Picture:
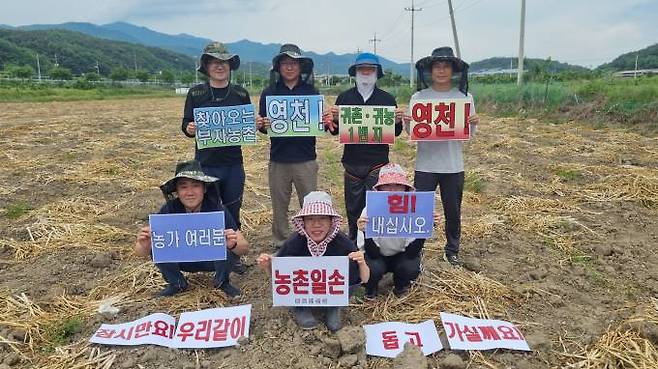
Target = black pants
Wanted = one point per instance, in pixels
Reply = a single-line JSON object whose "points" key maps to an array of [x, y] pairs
{"points": [[358, 180], [451, 187], [171, 272], [404, 269]]}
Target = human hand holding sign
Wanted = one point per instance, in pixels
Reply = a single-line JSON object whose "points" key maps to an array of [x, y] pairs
{"points": [[231, 238], [264, 261], [328, 120], [143, 242], [191, 128], [263, 122], [362, 222], [474, 119]]}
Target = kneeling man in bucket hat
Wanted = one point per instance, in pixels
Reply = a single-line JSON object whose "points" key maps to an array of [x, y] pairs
{"points": [[187, 192]]}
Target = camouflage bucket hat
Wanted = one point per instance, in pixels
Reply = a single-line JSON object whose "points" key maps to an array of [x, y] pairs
{"points": [[188, 169], [293, 51], [217, 50]]}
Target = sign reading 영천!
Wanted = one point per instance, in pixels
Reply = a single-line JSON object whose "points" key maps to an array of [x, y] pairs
{"points": [[310, 281], [188, 237], [399, 214], [295, 115], [225, 126], [366, 124], [440, 120]]}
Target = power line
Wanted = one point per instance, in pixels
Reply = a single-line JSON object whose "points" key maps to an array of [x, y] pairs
{"points": [[375, 40], [413, 10]]}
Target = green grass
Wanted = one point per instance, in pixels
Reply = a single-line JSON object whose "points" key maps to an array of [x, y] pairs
{"points": [[568, 175], [473, 182], [34, 92], [61, 332], [17, 210]]}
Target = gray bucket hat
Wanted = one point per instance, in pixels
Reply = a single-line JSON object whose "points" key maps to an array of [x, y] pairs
{"points": [[217, 50], [188, 169], [293, 51]]}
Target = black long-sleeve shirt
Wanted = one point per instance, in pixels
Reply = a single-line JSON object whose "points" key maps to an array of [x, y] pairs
{"points": [[288, 149], [203, 96], [366, 154]]}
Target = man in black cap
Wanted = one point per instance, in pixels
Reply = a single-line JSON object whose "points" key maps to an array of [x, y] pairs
{"points": [[292, 159], [363, 161], [224, 163], [186, 192], [441, 163]]}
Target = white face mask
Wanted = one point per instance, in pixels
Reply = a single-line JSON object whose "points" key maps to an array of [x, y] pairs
{"points": [[365, 84]]}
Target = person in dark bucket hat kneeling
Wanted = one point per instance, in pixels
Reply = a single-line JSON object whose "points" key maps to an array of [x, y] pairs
{"points": [[442, 75], [187, 192]]}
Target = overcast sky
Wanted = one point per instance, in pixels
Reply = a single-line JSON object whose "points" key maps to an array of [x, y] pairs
{"points": [[579, 32]]}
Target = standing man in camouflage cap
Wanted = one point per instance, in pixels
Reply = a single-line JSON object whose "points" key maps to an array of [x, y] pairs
{"points": [[224, 163]]}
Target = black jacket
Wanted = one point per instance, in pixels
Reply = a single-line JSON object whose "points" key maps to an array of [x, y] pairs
{"points": [[202, 96], [288, 149], [357, 154]]}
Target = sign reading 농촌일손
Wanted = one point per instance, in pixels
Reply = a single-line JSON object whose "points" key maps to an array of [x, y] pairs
{"points": [[225, 126], [366, 124], [295, 115], [188, 237], [310, 281], [440, 120]]}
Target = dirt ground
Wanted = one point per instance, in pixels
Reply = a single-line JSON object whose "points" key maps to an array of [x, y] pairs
{"points": [[560, 236]]}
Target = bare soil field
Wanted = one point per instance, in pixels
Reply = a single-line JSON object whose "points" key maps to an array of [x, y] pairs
{"points": [[559, 235]]}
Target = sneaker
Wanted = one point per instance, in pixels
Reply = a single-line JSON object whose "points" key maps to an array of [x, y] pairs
{"points": [[371, 293], [400, 291], [333, 319], [304, 318], [453, 259], [230, 290], [238, 267], [171, 289]]}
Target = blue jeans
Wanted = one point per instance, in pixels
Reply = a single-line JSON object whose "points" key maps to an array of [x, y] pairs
{"points": [[230, 186], [171, 272]]}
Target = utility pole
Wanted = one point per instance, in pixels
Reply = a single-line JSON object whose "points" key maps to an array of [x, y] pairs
{"points": [[454, 29], [519, 75], [98, 68], [374, 41], [251, 80], [196, 74], [39, 67], [635, 74], [413, 10], [135, 60], [56, 62]]}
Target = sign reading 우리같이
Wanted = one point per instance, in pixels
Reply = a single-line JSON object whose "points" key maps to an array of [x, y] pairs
{"points": [[295, 115], [465, 333], [187, 237], [225, 126], [366, 124], [440, 120], [399, 214], [217, 327], [310, 281]]}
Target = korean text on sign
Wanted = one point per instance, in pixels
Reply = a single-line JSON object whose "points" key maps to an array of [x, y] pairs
{"points": [[440, 120], [218, 327], [481, 334], [310, 281], [187, 237], [366, 124], [399, 214], [295, 115], [225, 126], [388, 339]]}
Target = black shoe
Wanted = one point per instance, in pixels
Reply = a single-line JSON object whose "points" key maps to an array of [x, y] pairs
{"points": [[230, 290], [371, 293], [333, 319], [238, 267], [453, 259], [171, 290], [400, 291]]}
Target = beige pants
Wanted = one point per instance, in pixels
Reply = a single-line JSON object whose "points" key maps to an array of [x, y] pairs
{"points": [[282, 176]]}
